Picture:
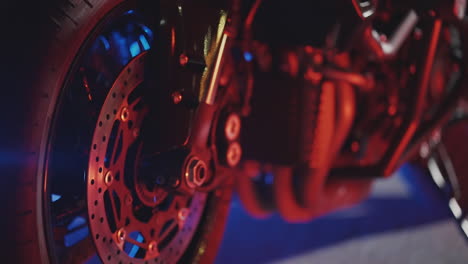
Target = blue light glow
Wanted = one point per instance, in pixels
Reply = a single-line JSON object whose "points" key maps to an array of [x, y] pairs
{"points": [[248, 56], [135, 248], [129, 12], [55, 197], [105, 42], [76, 236], [77, 222], [144, 42], [268, 178], [119, 44], [135, 49], [147, 31]]}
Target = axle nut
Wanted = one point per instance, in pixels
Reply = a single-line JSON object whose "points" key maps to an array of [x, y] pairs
{"points": [[196, 172]]}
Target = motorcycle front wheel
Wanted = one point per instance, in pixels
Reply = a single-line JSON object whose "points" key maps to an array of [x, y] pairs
{"points": [[75, 132]]}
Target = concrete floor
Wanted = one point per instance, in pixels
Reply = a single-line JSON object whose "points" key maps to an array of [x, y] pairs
{"points": [[405, 220]]}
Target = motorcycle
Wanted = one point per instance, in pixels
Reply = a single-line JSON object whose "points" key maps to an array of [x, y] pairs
{"points": [[129, 123]]}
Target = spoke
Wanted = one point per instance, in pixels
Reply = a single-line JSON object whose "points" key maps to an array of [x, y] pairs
{"points": [[119, 187], [125, 208], [163, 217], [117, 216], [168, 230], [120, 136], [127, 140], [125, 212], [119, 167], [171, 214], [68, 210], [134, 103]]}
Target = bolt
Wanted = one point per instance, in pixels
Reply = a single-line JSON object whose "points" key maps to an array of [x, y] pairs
{"points": [[124, 114], [424, 150], [121, 234], [318, 59], [199, 173], [108, 179], [313, 76], [233, 127], [196, 172], [183, 214], [183, 59], [128, 199], [153, 248], [233, 154], [177, 97], [176, 183]]}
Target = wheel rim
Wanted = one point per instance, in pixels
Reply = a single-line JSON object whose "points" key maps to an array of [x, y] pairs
{"points": [[102, 97]]}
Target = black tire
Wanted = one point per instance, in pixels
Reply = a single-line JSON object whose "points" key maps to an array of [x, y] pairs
{"points": [[44, 40]]}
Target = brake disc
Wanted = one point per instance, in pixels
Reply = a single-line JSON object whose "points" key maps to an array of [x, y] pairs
{"points": [[129, 221]]}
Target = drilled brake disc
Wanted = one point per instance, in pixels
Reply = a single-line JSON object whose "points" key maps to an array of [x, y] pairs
{"points": [[125, 226]]}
